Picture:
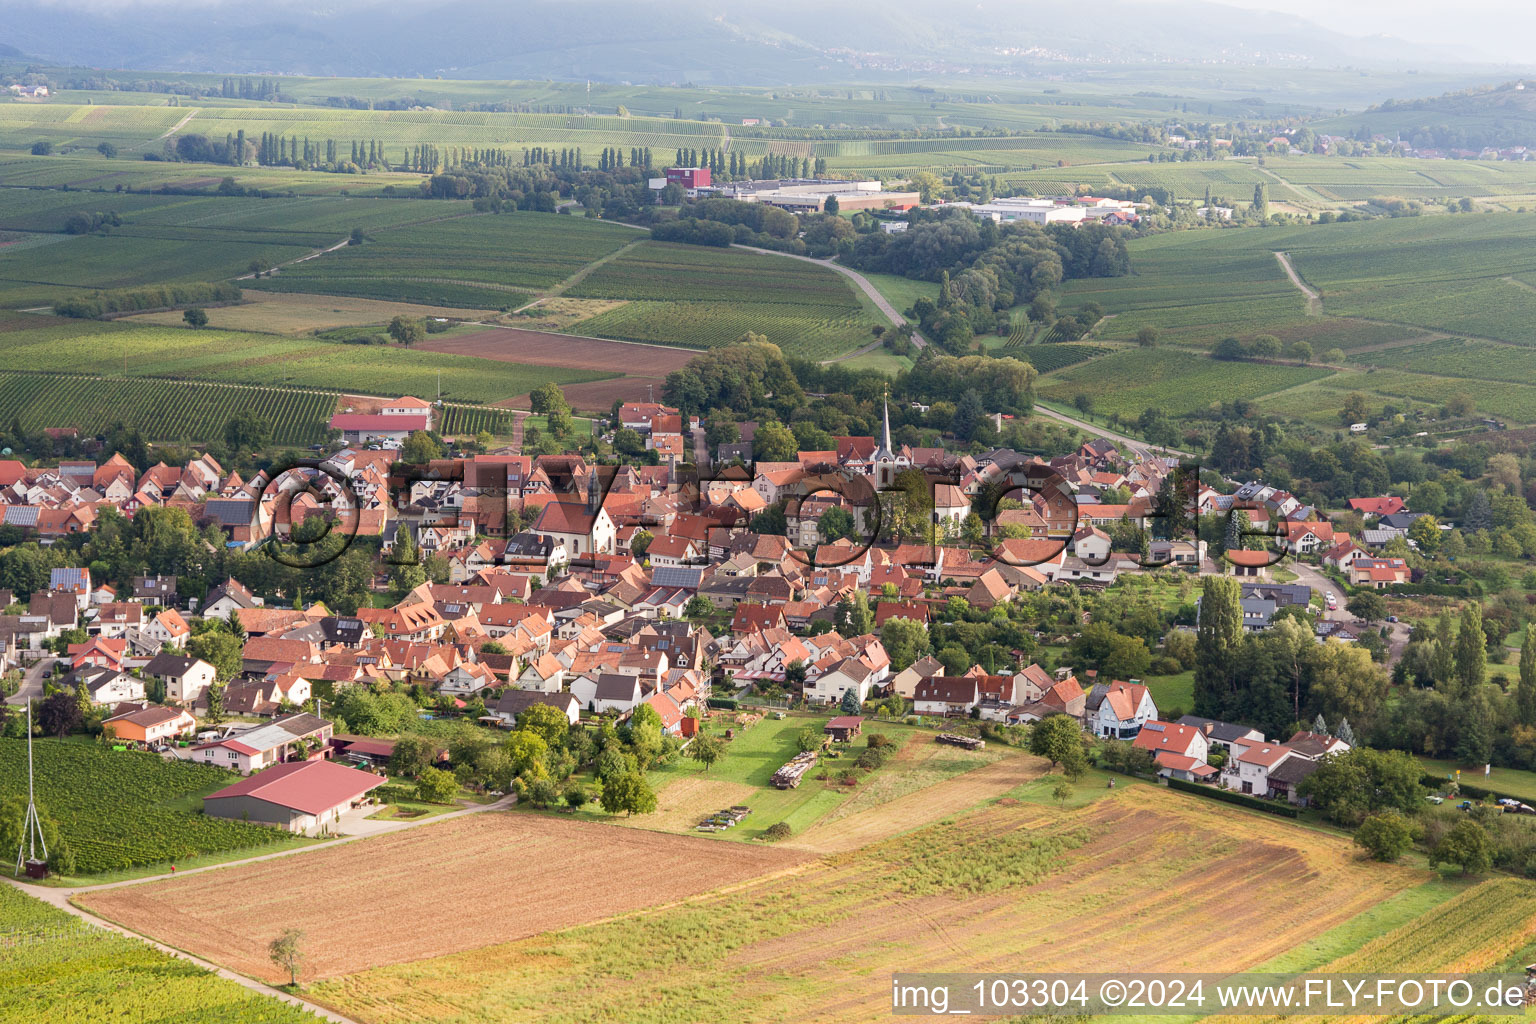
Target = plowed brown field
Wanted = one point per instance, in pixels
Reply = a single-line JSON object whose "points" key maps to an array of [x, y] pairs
{"points": [[471, 882], [542, 348], [644, 367], [1142, 879]]}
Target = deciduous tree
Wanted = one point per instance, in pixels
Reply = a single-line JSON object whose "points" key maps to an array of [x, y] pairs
{"points": [[287, 952], [1386, 837]]}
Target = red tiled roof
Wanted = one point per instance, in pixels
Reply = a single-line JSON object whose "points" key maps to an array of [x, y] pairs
{"points": [[311, 787], [364, 421]]}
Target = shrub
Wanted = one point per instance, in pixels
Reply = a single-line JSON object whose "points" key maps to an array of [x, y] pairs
{"points": [[872, 758], [1279, 809], [876, 739], [576, 794], [128, 300], [436, 786], [724, 703], [779, 830]]}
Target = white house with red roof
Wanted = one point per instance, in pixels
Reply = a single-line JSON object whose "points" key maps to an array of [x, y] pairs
{"points": [[394, 422], [1378, 573], [1248, 768], [168, 628], [1177, 750], [1344, 553], [1091, 544], [1126, 707], [1307, 538]]}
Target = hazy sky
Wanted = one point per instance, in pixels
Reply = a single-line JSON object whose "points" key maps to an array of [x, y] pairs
{"points": [[1494, 29]]}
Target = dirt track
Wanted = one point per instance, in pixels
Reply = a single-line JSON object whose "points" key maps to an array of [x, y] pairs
{"points": [[478, 880]]}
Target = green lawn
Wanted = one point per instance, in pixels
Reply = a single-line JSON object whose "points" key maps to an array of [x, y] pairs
{"points": [[1092, 786], [1513, 781], [901, 292], [759, 751], [1173, 691], [752, 758]]}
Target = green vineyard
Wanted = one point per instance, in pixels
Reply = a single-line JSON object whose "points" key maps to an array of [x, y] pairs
{"points": [[161, 410], [56, 969], [115, 810], [1047, 358], [700, 297], [463, 420]]}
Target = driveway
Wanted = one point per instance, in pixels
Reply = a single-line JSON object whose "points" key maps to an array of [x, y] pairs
{"points": [[31, 682], [1397, 632]]}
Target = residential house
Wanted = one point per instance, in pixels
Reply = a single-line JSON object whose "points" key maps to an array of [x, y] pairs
{"points": [[615, 692], [1177, 750], [229, 597], [848, 674], [514, 702], [185, 679], [1124, 709], [168, 627], [544, 673], [905, 682], [148, 724], [1379, 573], [159, 590], [946, 695], [267, 744], [1248, 769], [1221, 735], [106, 685]]}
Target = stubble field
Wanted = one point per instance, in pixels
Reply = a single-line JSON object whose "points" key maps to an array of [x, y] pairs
{"points": [[1142, 878], [426, 892]]}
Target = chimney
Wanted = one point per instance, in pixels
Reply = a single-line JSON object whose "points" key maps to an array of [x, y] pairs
{"points": [[1209, 728]]}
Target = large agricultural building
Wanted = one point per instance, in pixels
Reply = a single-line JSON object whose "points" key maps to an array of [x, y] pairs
{"points": [[797, 195], [301, 796], [1049, 210]]}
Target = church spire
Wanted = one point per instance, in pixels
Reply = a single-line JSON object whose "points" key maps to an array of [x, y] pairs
{"points": [[885, 426]]}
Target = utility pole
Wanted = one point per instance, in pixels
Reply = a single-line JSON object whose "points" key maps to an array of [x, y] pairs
{"points": [[32, 826]]}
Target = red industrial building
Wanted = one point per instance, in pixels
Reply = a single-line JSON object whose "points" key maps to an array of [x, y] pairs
{"points": [[688, 177]]}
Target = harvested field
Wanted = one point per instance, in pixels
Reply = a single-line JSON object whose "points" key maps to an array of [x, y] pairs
{"points": [[1125, 881], [873, 818], [680, 805], [541, 348], [645, 367], [469, 876], [296, 313], [559, 313], [597, 396]]}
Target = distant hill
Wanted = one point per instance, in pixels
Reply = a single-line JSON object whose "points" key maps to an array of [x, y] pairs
{"points": [[1500, 116], [702, 41], [10, 52]]}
